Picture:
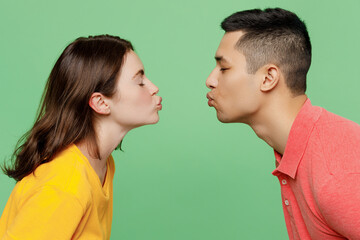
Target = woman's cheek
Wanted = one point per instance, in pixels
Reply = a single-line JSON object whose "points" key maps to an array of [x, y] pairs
{"points": [[144, 98]]}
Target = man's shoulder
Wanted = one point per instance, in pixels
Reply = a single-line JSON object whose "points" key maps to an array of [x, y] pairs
{"points": [[340, 142], [327, 117], [331, 126]]}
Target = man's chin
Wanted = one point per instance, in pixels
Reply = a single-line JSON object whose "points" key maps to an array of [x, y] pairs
{"points": [[223, 118]]}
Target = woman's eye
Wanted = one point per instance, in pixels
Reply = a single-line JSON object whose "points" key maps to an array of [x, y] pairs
{"points": [[223, 69]]}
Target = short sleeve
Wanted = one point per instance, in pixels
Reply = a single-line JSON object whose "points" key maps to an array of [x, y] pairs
{"points": [[339, 203], [49, 213], [339, 197]]}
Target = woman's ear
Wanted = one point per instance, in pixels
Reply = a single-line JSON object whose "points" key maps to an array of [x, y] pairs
{"points": [[271, 78], [99, 104]]}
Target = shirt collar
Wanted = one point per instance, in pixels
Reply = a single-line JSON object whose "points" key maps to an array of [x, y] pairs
{"points": [[297, 140]]}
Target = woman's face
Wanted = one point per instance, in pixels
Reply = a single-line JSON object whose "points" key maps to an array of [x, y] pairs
{"points": [[135, 102]]}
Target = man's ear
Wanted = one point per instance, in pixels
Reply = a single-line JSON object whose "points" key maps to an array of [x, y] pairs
{"points": [[99, 104], [271, 77]]}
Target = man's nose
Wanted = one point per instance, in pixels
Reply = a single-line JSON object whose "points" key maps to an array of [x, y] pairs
{"points": [[211, 81]]}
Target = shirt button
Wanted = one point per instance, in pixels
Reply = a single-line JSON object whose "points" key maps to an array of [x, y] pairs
{"points": [[287, 203], [284, 182]]}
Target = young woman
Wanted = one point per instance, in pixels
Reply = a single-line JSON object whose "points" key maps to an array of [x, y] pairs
{"points": [[96, 93]]}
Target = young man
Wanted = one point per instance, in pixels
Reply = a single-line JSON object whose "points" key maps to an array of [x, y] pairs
{"points": [[260, 80]]}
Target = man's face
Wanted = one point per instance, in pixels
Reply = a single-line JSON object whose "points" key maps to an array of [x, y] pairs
{"points": [[235, 94]]}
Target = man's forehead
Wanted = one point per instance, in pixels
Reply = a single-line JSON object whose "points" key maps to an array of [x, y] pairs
{"points": [[228, 42], [231, 38], [227, 51]]}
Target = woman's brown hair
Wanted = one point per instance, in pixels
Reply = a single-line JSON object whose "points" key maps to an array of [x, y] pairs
{"points": [[64, 117]]}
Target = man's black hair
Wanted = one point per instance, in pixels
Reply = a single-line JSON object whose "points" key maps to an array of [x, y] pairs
{"points": [[276, 36]]}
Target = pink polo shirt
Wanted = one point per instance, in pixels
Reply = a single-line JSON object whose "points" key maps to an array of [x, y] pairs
{"points": [[319, 175]]}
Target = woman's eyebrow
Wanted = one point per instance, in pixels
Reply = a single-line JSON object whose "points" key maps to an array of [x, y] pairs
{"points": [[140, 72]]}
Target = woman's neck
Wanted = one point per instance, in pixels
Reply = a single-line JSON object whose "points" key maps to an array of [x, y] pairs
{"points": [[108, 138]]}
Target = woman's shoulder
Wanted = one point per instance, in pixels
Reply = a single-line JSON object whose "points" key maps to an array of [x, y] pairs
{"points": [[67, 173]]}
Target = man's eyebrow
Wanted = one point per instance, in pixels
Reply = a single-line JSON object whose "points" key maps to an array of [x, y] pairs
{"points": [[220, 59], [140, 72]]}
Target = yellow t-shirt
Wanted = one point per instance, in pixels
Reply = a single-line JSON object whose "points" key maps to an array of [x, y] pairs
{"points": [[63, 200]]}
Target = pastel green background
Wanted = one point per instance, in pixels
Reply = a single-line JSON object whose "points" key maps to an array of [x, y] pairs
{"points": [[188, 177]]}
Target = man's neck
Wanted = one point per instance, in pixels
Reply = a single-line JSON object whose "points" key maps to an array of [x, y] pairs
{"points": [[274, 123]]}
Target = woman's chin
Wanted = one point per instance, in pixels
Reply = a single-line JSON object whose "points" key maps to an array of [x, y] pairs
{"points": [[151, 121], [155, 120]]}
